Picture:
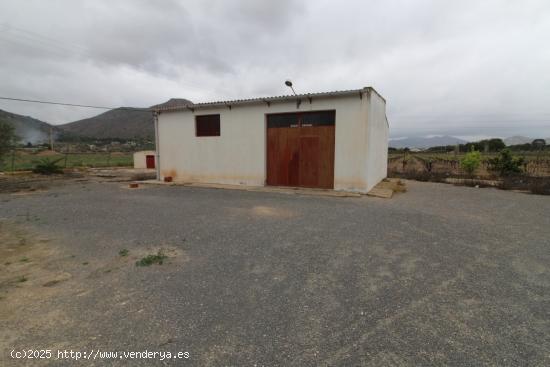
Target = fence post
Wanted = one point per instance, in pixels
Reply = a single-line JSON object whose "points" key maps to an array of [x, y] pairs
{"points": [[13, 159]]}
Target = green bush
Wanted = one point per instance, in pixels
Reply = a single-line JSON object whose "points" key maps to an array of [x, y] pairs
{"points": [[152, 259], [471, 162], [47, 167], [506, 164]]}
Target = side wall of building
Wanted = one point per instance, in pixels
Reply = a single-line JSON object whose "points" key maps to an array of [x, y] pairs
{"points": [[235, 157], [377, 140], [238, 155]]}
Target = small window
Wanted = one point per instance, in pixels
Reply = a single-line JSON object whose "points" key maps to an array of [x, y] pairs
{"points": [[303, 119], [321, 118], [283, 120], [207, 125]]}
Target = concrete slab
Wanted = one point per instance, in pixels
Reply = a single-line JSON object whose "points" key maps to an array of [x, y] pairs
{"points": [[381, 193], [279, 189]]}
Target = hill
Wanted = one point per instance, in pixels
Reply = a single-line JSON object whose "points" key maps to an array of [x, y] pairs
{"points": [[28, 129], [123, 123], [423, 142], [117, 123]]}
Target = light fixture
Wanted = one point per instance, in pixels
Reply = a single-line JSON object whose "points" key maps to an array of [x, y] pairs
{"points": [[288, 83]]}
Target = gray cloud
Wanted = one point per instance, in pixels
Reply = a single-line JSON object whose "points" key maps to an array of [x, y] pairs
{"points": [[464, 67]]}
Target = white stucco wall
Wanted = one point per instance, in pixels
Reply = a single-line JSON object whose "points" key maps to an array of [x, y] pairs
{"points": [[377, 140], [238, 155], [140, 160]]}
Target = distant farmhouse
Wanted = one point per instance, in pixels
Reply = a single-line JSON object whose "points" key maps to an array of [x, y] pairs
{"points": [[333, 140]]}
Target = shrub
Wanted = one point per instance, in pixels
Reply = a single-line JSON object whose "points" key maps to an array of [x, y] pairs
{"points": [[471, 162], [506, 164], [152, 259], [47, 167]]}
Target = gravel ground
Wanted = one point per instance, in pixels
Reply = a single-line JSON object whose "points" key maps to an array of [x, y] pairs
{"points": [[440, 275]]}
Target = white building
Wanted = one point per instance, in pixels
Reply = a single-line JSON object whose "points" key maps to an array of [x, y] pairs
{"points": [[334, 140]]}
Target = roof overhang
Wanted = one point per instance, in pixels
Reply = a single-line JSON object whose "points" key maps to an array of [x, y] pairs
{"points": [[268, 100]]}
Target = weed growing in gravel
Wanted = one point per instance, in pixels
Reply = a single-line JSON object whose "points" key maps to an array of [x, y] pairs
{"points": [[22, 279], [24, 260], [85, 263], [152, 259], [123, 252]]}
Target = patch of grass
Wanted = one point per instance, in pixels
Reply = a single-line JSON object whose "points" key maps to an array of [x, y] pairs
{"points": [[24, 260], [22, 279], [123, 252], [148, 260], [85, 263]]}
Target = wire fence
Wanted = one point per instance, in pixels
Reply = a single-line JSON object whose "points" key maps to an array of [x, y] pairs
{"points": [[21, 160]]}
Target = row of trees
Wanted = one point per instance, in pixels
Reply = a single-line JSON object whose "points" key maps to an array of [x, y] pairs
{"points": [[491, 145], [486, 145]]}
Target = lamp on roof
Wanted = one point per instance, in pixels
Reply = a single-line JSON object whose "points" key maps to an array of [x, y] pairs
{"points": [[288, 83]]}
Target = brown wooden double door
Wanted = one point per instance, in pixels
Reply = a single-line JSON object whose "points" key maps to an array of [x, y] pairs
{"points": [[300, 149]]}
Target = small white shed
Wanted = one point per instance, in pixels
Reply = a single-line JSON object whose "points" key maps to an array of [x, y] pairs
{"points": [[333, 140], [144, 159]]}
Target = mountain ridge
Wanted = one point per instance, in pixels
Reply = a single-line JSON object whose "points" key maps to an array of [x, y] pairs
{"points": [[122, 123], [425, 142], [27, 128], [128, 123]]}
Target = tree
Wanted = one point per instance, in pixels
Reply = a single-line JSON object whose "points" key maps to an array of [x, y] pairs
{"points": [[487, 145], [496, 145], [506, 164], [539, 144], [7, 138], [471, 162]]}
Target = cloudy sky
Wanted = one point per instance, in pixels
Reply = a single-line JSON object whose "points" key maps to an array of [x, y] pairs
{"points": [[468, 68]]}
